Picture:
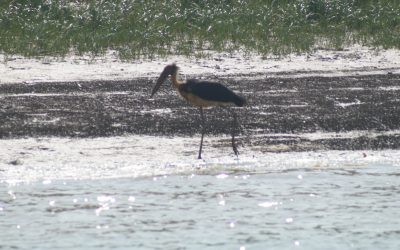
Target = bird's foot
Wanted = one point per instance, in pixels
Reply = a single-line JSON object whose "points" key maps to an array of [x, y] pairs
{"points": [[235, 150]]}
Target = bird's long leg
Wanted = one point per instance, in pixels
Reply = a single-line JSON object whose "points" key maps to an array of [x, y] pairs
{"points": [[234, 125], [202, 131], [235, 150]]}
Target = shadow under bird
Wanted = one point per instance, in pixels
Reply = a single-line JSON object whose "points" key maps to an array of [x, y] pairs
{"points": [[203, 94]]}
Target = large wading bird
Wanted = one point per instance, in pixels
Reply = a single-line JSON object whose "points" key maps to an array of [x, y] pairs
{"points": [[203, 94]]}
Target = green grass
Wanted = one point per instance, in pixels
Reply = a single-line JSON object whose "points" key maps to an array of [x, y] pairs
{"points": [[146, 28]]}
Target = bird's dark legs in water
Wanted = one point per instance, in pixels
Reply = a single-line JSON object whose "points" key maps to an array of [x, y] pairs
{"points": [[234, 125], [202, 131]]}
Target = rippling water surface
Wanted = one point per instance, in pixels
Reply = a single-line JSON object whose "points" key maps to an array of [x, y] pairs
{"points": [[306, 208]]}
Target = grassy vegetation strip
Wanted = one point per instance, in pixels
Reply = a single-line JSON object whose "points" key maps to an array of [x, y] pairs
{"points": [[147, 28]]}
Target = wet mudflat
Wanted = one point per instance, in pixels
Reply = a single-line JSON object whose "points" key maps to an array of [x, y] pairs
{"points": [[351, 112]]}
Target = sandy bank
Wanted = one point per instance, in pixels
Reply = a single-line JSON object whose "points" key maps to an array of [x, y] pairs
{"points": [[351, 61]]}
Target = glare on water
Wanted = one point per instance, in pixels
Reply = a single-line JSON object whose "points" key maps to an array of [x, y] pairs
{"points": [[338, 208]]}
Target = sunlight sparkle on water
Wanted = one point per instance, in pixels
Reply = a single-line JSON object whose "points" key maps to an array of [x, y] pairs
{"points": [[104, 201], [289, 220], [105, 198], [221, 199], [268, 204], [222, 176], [102, 227], [103, 207], [12, 195], [46, 182]]}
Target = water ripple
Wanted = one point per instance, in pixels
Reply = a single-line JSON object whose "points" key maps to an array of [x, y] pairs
{"points": [[220, 210]]}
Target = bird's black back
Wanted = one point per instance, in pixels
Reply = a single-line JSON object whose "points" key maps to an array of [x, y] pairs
{"points": [[213, 91]]}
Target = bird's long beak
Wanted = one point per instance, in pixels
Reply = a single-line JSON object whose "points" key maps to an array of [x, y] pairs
{"points": [[160, 81]]}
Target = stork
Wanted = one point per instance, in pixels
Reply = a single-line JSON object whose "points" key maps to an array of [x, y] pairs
{"points": [[203, 94]]}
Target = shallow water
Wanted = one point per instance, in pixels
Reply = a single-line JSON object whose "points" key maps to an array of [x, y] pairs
{"points": [[345, 207]]}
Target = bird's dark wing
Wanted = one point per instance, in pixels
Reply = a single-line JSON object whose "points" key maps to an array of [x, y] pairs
{"points": [[213, 91]]}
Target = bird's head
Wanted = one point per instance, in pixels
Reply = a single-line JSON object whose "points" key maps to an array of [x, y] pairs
{"points": [[168, 70]]}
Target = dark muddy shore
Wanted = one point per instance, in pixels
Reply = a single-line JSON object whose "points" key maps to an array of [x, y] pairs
{"points": [[276, 106]]}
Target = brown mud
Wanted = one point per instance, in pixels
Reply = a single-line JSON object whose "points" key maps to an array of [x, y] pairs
{"points": [[279, 111]]}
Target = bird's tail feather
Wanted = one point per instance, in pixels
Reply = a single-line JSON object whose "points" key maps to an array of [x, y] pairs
{"points": [[239, 101]]}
